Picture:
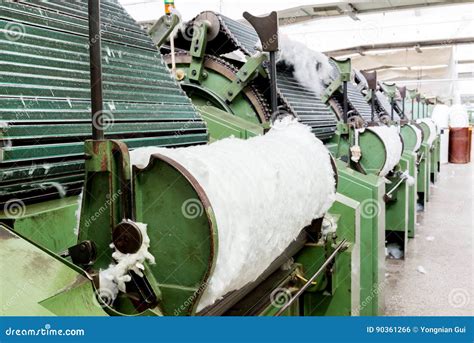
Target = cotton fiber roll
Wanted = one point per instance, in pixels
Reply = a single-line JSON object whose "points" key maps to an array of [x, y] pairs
{"points": [[433, 129], [440, 115], [458, 116], [263, 191], [419, 136], [393, 146]]}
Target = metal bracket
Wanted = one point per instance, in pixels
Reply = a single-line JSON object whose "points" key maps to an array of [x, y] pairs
{"points": [[197, 51], [162, 29], [244, 76], [344, 67]]}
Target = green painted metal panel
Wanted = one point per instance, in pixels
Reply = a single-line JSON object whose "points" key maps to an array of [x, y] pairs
{"points": [[412, 194], [222, 124], [49, 224], [186, 243], [31, 275], [368, 190]]}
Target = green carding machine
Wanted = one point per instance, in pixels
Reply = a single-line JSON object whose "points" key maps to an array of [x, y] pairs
{"points": [[82, 86], [230, 82]]}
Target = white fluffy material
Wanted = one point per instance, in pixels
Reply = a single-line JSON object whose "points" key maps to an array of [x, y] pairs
{"points": [[263, 191], [432, 127], [393, 146], [311, 68], [410, 179], [113, 279], [3, 124], [440, 116], [458, 116], [419, 136], [78, 213]]}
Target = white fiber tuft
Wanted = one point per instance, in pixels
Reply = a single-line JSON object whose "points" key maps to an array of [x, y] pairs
{"points": [[78, 213], [410, 179], [393, 145], [113, 279], [263, 191], [311, 68]]}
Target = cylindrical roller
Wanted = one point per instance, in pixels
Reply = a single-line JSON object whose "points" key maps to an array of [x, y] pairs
{"points": [[430, 130], [218, 215], [381, 149], [412, 137]]}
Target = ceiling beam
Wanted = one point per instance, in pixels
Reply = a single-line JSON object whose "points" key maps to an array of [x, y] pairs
{"points": [[401, 45]]}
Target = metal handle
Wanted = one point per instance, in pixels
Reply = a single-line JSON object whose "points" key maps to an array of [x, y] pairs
{"points": [[311, 280]]}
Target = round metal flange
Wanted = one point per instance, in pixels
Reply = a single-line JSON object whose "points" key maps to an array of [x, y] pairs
{"points": [[127, 237], [213, 22]]}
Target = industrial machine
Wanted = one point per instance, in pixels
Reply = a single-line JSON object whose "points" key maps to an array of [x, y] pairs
{"points": [[106, 78], [230, 82]]}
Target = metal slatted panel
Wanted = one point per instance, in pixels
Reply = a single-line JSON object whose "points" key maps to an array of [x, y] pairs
{"points": [[358, 101], [309, 108], [354, 96], [385, 105], [45, 94]]}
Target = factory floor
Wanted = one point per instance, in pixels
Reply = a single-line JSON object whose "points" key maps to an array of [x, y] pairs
{"points": [[437, 276]]}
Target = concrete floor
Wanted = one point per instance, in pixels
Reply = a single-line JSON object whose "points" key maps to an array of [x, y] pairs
{"points": [[443, 247]]}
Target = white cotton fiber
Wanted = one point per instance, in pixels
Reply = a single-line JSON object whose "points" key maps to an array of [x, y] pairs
{"points": [[78, 213], [432, 127], [113, 279], [458, 116], [311, 68], [440, 115], [419, 136], [393, 146], [263, 191]]}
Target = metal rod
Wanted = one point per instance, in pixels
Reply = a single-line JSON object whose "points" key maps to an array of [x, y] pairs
{"points": [[395, 187], [311, 280], [273, 84], [418, 110], [392, 105], [95, 69], [372, 106], [412, 109], [403, 107], [344, 92]]}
